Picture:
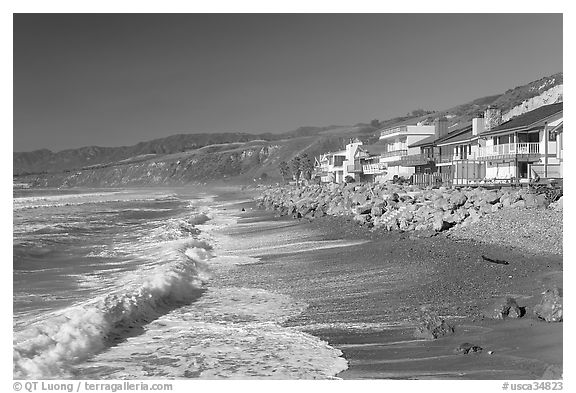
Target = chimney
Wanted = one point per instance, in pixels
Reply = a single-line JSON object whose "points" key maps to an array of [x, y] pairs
{"points": [[478, 125], [440, 127], [492, 118]]}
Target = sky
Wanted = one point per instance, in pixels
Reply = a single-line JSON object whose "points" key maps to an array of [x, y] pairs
{"points": [[119, 79]]}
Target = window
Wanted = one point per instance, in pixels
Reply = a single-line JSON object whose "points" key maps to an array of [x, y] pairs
{"points": [[338, 160]]}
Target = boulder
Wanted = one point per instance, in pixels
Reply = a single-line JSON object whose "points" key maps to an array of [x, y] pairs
{"points": [[529, 200], [432, 326], [542, 201], [451, 218], [376, 211], [466, 348], [362, 218], [486, 208], [491, 197], [319, 213], [458, 198], [496, 207], [558, 205], [504, 308], [378, 202], [406, 199], [552, 372], [392, 225], [363, 209], [473, 215], [439, 224], [550, 307], [518, 204], [359, 198]]}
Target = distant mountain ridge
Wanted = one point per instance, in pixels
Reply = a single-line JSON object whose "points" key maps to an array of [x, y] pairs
{"points": [[183, 158], [44, 160]]}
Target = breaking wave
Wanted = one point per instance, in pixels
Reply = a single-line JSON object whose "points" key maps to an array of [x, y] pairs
{"points": [[48, 349]]}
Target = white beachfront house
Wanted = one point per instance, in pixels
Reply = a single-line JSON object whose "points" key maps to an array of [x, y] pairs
{"points": [[331, 168], [524, 147], [398, 141], [358, 161]]}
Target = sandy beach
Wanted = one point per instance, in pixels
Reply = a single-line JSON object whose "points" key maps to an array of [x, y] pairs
{"points": [[365, 292]]}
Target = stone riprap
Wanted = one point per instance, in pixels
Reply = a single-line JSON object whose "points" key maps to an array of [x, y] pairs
{"points": [[397, 207]]}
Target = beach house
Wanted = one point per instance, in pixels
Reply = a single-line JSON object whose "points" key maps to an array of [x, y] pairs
{"points": [[335, 167], [330, 167], [525, 147], [398, 141], [367, 161], [457, 157]]}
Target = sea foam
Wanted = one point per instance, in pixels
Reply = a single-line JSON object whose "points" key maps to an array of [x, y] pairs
{"points": [[48, 349]]}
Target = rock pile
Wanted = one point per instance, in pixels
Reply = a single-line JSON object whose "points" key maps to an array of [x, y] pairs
{"points": [[397, 207], [505, 308], [432, 326], [550, 308]]}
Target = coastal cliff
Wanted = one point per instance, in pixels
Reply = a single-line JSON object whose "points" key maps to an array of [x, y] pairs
{"points": [[150, 170]]}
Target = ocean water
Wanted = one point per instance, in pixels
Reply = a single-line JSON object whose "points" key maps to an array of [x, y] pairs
{"points": [[122, 284]]}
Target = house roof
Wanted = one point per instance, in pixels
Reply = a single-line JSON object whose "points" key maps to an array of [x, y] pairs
{"points": [[373, 149], [424, 142], [528, 119], [461, 135], [433, 140], [559, 128]]}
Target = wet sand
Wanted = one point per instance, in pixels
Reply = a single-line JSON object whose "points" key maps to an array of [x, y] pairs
{"points": [[365, 297]]}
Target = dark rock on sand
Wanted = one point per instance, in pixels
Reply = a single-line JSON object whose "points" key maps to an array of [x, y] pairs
{"points": [[550, 308], [505, 308], [466, 348], [432, 326], [553, 371]]}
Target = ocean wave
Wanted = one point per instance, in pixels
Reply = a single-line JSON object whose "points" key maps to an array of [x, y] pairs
{"points": [[231, 332], [176, 228], [49, 348], [36, 202]]}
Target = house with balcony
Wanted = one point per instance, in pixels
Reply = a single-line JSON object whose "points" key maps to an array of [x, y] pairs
{"points": [[335, 167], [351, 167], [398, 141], [524, 147], [421, 152], [424, 160], [367, 162], [330, 167], [457, 154]]}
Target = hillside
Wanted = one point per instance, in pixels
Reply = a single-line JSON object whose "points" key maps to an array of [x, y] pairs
{"points": [[242, 157]]}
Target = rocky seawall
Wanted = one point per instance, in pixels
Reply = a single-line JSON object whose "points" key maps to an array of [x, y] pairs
{"points": [[398, 207]]}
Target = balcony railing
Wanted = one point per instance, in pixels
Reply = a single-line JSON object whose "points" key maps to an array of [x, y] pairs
{"points": [[448, 158], [392, 131], [444, 158], [509, 149], [373, 169], [416, 159], [356, 168], [395, 153]]}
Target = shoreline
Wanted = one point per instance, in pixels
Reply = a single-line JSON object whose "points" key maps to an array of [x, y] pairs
{"points": [[460, 295]]}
